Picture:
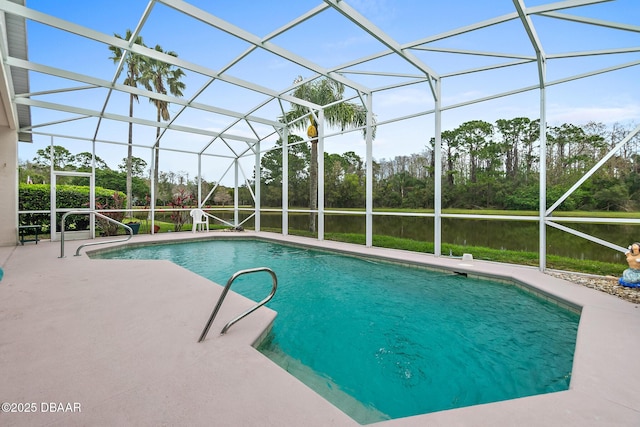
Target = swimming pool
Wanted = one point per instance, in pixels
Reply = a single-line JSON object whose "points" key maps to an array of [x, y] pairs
{"points": [[386, 341]]}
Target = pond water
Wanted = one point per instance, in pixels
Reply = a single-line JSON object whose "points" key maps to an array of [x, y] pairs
{"points": [[498, 234]]}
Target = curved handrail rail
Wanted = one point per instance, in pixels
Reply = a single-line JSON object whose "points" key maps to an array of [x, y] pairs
{"points": [[237, 274], [64, 217]]}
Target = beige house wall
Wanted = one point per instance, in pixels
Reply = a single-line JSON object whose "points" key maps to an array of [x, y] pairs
{"points": [[8, 186]]}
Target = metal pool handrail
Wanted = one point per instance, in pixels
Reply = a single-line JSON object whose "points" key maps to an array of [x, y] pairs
{"points": [[237, 274], [64, 217]]}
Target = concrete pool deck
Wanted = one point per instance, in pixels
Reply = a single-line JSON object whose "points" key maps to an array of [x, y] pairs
{"points": [[114, 342]]}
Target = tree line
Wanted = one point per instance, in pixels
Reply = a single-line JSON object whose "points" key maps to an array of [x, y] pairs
{"points": [[484, 166]]}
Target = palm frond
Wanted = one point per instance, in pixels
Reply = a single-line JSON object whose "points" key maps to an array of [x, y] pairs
{"points": [[325, 91]]}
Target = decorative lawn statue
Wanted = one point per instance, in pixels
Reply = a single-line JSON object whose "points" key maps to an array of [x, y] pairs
{"points": [[631, 276]]}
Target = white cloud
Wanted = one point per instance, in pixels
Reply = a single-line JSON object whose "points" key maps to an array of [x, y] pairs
{"points": [[403, 97], [346, 43], [277, 64], [599, 114], [374, 8]]}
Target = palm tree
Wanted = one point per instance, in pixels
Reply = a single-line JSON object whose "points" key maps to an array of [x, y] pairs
{"points": [[164, 78], [135, 66], [344, 115]]}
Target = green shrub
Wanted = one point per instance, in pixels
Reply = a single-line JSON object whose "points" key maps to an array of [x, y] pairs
{"points": [[37, 197]]}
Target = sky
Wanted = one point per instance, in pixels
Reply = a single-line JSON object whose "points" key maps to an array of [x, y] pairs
{"points": [[330, 40]]}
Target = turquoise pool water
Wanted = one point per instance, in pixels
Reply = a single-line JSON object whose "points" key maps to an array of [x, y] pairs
{"points": [[384, 341]]}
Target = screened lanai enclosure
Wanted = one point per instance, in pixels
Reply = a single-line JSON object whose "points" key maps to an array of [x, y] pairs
{"points": [[209, 89]]}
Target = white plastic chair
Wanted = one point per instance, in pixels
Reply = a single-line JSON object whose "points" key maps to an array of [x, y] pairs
{"points": [[200, 219]]}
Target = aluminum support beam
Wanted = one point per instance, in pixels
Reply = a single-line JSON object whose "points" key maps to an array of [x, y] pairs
{"points": [[256, 194], [285, 181], [359, 20], [437, 153], [236, 198], [321, 126], [542, 229], [152, 203], [238, 32], [587, 237], [369, 173], [200, 203]]}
